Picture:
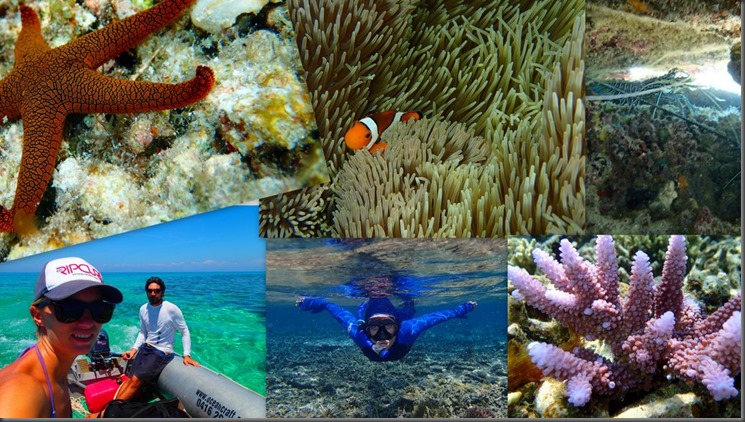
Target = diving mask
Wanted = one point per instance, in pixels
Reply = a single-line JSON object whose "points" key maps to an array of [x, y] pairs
{"points": [[381, 328]]}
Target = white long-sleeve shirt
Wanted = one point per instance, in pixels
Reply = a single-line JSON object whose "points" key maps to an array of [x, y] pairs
{"points": [[158, 326]]}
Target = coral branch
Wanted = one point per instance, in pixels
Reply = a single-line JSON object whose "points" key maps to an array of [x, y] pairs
{"points": [[669, 294], [653, 332]]}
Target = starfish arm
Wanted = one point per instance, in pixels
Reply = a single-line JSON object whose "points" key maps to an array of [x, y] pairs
{"points": [[107, 43], [30, 42], [103, 94], [6, 220], [42, 133], [8, 101]]}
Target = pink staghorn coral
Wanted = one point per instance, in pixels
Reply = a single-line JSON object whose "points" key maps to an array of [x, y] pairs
{"points": [[652, 331]]}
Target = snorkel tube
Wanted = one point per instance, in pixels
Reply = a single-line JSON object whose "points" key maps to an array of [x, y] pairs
{"points": [[364, 341], [381, 351]]}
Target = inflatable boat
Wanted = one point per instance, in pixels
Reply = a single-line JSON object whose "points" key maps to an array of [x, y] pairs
{"points": [[203, 393]]}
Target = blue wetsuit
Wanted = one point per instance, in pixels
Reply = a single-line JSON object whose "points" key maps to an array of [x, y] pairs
{"points": [[410, 329]]}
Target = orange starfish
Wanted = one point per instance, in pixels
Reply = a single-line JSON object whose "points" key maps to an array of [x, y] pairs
{"points": [[47, 84]]}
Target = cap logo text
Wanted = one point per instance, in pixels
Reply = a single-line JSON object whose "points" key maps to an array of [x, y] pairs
{"points": [[71, 269]]}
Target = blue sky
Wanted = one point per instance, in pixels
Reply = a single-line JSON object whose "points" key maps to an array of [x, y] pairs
{"points": [[222, 240]]}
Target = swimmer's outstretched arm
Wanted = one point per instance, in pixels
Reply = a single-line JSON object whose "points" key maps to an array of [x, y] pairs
{"points": [[315, 305], [414, 327], [341, 315]]}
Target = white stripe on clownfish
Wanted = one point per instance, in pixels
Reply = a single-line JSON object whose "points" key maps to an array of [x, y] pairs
{"points": [[366, 132], [373, 128]]}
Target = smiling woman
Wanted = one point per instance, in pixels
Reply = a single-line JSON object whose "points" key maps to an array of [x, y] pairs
{"points": [[70, 304]]}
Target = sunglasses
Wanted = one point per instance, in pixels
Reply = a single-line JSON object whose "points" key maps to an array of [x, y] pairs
{"points": [[71, 310], [381, 332], [154, 290]]}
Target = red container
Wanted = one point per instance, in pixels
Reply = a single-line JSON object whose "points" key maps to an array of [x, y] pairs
{"points": [[100, 393]]}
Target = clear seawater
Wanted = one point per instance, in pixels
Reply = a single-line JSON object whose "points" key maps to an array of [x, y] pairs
{"points": [[437, 273], [225, 313]]}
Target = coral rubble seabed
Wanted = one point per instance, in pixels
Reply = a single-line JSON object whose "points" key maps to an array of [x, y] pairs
{"points": [[310, 377]]}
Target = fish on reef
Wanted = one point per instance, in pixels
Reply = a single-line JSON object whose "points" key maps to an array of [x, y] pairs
{"points": [[366, 132]]}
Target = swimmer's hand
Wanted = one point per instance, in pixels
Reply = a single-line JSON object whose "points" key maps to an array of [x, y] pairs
{"points": [[129, 354], [313, 304], [468, 309], [377, 349]]}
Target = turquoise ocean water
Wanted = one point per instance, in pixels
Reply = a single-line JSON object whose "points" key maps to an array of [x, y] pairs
{"points": [[225, 313]]}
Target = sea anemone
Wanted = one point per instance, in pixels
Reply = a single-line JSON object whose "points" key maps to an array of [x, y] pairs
{"points": [[505, 75]]}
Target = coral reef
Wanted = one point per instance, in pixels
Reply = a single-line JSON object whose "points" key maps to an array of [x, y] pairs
{"points": [[678, 176], [677, 148], [253, 136], [331, 379], [505, 78], [636, 334]]}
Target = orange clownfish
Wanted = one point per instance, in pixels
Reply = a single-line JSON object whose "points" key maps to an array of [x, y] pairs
{"points": [[365, 133]]}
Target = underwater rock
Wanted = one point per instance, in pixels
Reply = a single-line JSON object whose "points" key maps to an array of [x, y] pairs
{"points": [[649, 151], [299, 382], [660, 207], [735, 61], [481, 376], [714, 287], [478, 412], [264, 105], [513, 398], [217, 15], [619, 39], [682, 405], [550, 399]]}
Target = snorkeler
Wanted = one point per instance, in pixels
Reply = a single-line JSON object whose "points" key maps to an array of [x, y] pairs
{"points": [[383, 332]]}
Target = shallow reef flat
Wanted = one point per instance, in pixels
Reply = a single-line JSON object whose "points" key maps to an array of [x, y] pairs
{"points": [[312, 377], [251, 137], [500, 147], [672, 383]]}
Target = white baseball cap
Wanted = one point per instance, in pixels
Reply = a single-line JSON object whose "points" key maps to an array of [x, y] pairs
{"points": [[63, 277]]}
